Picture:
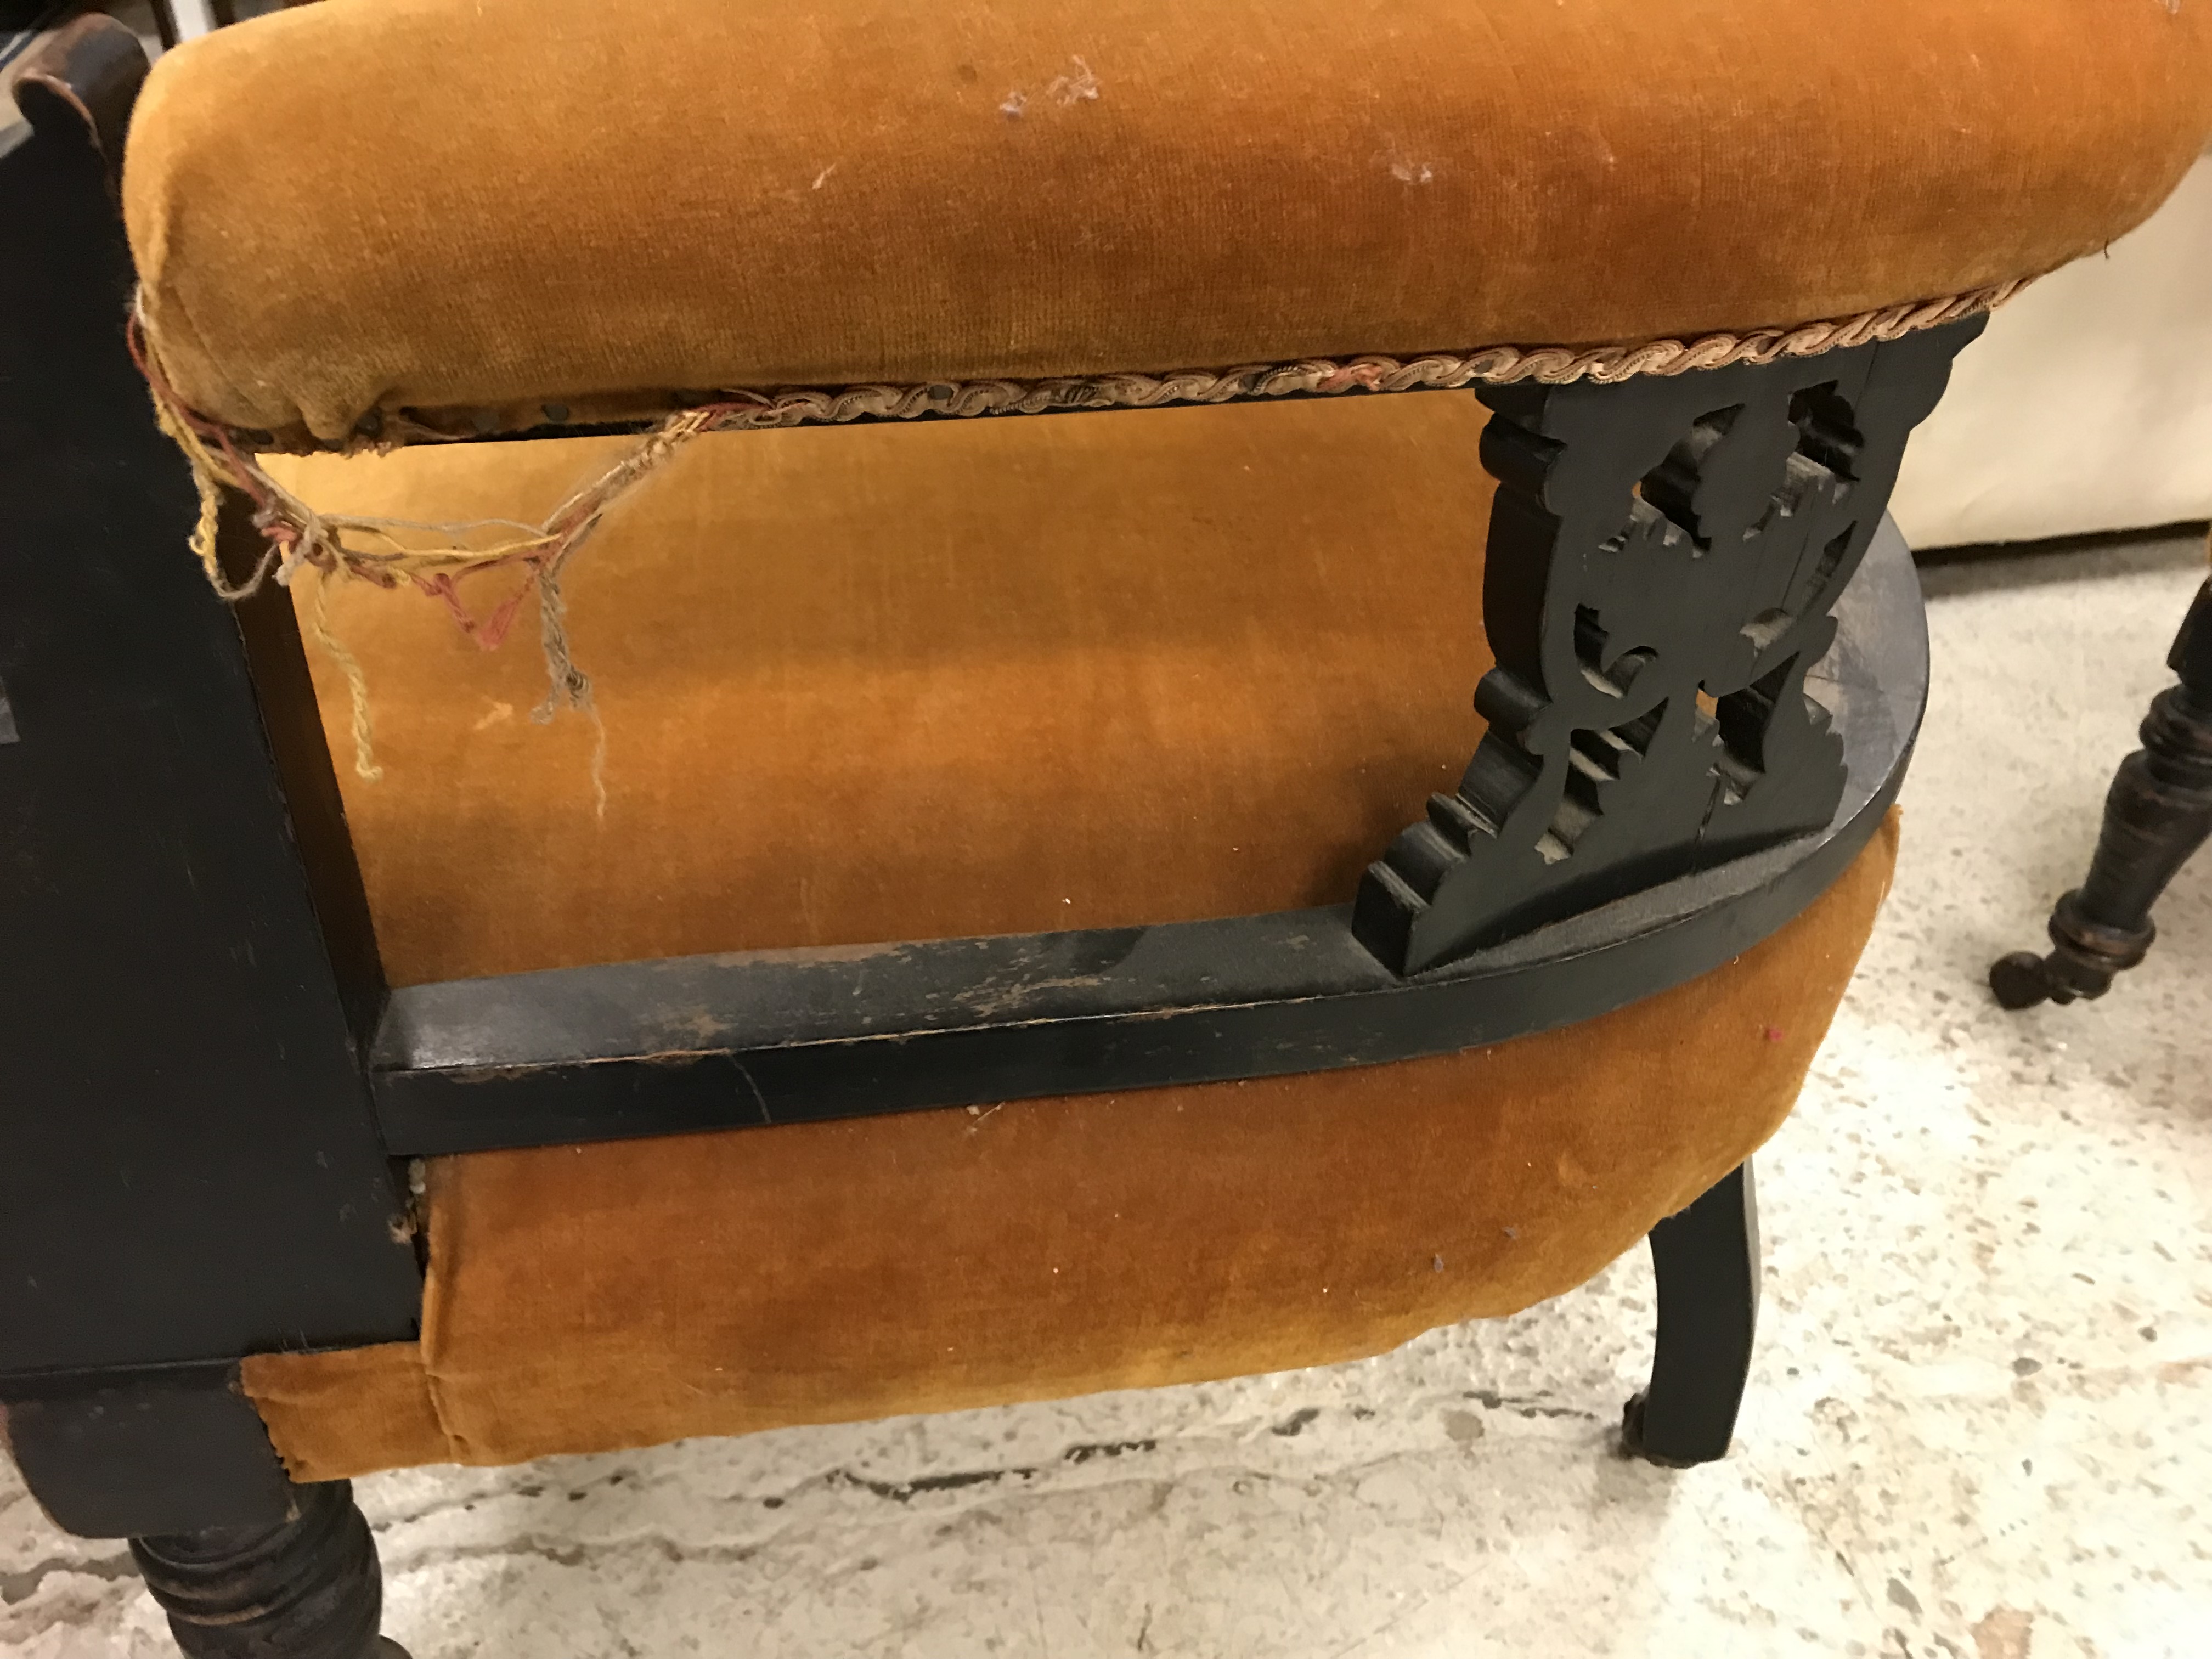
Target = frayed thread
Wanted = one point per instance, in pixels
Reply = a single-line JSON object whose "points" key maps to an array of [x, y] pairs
{"points": [[379, 550], [356, 679]]}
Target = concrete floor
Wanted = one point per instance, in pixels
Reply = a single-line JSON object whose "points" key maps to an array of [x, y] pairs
{"points": [[1979, 1423]]}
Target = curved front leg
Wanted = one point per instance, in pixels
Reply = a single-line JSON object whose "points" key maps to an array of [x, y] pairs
{"points": [[1707, 1258]]}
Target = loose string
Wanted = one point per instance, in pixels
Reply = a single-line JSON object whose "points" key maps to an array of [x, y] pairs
{"points": [[364, 734], [379, 550], [296, 538]]}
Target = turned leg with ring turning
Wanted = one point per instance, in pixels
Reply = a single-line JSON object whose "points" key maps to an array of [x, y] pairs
{"points": [[305, 1587], [2157, 813]]}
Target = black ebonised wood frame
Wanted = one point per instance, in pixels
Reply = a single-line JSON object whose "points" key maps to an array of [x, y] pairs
{"points": [[204, 1080], [2157, 813]]}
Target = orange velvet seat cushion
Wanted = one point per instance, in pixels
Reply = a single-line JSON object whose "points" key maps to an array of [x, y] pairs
{"points": [[386, 204], [898, 683]]}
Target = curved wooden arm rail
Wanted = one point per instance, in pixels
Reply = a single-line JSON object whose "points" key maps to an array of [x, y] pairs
{"points": [[782, 1037]]}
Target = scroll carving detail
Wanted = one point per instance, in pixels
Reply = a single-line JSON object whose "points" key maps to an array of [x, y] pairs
{"points": [[1663, 557]]}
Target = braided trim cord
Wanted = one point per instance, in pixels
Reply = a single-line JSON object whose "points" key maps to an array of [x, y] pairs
{"points": [[1492, 366], [435, 558]]}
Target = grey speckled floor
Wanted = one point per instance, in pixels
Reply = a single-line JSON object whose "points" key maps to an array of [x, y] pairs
{"points": [[1980, 1424]]}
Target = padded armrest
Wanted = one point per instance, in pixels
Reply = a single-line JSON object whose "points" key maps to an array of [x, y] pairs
{"points": [[371, 204]]}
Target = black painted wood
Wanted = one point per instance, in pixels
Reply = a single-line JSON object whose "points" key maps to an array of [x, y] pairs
{"points": [[1707, 1259], [292, 724], [2157, 813], [189, 1165], [87, 71], [166, 1450], [1655, 546], [703, 1043], [307, 1586]]}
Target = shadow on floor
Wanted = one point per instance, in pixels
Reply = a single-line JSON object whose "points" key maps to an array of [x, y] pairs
{"points": [[1986, 567]]}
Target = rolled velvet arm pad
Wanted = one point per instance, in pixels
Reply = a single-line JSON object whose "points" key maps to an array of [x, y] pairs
{"points": [[372, 204]]}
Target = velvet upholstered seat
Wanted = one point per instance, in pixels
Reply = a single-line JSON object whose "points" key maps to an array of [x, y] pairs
{"points": [[984, 677], [993, 677], [997, 907]]}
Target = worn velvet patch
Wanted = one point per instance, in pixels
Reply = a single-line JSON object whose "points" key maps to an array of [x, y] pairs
{"points": [[369, 204]]}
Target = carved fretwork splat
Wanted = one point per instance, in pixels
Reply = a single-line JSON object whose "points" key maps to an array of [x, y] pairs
{"points": [[1663, 556]]}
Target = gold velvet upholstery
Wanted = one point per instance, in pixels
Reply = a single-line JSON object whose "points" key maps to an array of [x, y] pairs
{"points": [[983, 677], [919, 682], [380, 204], [590, 1297]]}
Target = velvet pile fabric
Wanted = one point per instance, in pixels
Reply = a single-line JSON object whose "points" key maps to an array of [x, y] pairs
{"points": [[904, 683], [372, 206]]}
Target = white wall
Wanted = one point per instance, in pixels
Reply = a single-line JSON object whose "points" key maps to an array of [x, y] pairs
{"points": [[2087, 403], [191, 17]]}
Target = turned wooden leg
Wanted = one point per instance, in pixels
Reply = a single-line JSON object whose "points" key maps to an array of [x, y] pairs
{"points": [[1708, 1262], [306, 1588], [2158, 812], [247, 1564]]}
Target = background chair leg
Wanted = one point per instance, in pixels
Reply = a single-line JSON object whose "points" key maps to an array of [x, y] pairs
{"points": [[2158, 813], [1708, 1262], [307, 1587]]}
